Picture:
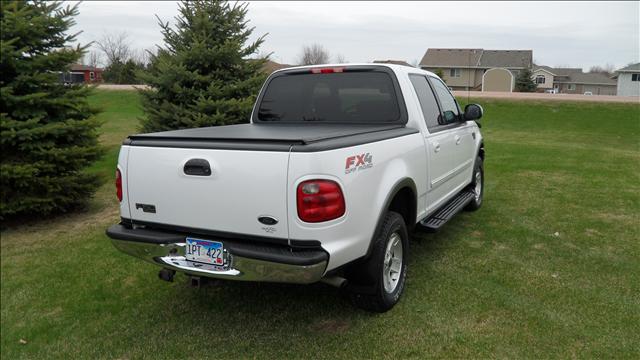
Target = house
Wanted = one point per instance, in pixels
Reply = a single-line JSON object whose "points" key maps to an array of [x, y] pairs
{"points": [[572, 81], [477, 69], [271, 66], [81, 74], [628, 80], [396, 62]]}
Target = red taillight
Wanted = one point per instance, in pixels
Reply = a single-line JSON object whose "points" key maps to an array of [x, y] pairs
{"points": [[327, 70], [119, 184], [319, 200]]}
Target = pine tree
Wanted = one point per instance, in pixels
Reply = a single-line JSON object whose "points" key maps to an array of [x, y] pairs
{"points": [[47, 129], [524, 82], [202, 76]]}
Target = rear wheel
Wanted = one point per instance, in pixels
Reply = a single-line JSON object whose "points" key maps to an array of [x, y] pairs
{"points": [[377, 283], [477, 185]]}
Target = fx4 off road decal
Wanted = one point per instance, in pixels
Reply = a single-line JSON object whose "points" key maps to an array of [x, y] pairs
{"points": [[358, 163]]}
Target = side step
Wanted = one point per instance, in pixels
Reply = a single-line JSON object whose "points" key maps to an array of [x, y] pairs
{"points": [[445, 213]]}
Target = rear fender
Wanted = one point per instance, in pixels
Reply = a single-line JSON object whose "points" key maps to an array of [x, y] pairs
{"points": [[389, 187]]}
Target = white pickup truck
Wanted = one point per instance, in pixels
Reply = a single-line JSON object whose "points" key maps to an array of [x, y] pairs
{"points": [[336, 168]]}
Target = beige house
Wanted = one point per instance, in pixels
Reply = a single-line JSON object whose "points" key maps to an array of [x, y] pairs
{"points": [[572, 81], [477, 69]]}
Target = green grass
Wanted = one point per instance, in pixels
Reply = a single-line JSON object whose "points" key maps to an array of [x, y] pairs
{"points": [[496, 283]]}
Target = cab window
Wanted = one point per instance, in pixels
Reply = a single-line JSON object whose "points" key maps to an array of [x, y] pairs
{"points": [[448, 105]]}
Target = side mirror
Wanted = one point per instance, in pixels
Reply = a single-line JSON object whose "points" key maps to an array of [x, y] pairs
{"points": [[473, 112]]}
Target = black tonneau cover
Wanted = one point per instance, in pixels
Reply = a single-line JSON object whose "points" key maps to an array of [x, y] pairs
{"points": [[272, 137]]}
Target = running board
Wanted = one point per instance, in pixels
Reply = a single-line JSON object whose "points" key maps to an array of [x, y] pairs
{"points": [[445, 213]]}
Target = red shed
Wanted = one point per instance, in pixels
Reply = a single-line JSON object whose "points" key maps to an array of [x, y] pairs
{"points": [[83, 73]]}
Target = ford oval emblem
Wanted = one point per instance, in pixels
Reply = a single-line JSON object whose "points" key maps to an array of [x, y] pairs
{"points": [[267, 220]]}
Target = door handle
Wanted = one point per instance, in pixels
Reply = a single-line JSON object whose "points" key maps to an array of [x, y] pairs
{"points": [[436, 147], [197, 167], [458, 139]]}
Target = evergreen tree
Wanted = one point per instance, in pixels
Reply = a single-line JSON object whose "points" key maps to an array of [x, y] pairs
{"points": [[202, 76], [47, 130], [123, 72], [524, 82]]}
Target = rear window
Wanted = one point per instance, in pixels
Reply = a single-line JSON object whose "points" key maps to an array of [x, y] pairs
{"points": [[360, 96]]}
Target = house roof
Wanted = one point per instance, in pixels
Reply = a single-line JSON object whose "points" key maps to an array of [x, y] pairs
{"points": [[506, 58], [630, 68], [591, 78], [397, 62], [559, 71], [80, 67], [477, 58], [271, 66], [576, 76], [451, 57]]}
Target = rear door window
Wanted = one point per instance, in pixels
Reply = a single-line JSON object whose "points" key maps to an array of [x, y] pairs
{"points": [[427, 100], [341, 97]]}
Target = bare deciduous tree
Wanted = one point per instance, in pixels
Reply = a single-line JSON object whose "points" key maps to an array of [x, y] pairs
{"points": [[92, 58], [313, 54], [116, 47], [142, 56], [341, 59], [608, 69]]}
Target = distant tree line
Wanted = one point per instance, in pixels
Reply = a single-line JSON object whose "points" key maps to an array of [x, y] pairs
{"points": [[123, 64], [315, 54]]}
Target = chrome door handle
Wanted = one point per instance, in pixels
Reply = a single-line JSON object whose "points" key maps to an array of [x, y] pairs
{"points": [[436, 147], [458, 139]]}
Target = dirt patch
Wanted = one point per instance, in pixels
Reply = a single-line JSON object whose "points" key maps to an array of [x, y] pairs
{"points": [[121, 87]]}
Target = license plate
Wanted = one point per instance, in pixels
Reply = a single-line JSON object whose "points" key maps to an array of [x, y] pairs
{"points": [[205, 251]]}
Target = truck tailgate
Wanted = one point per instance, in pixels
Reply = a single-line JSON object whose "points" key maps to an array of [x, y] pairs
{"points": [[241, 187]]}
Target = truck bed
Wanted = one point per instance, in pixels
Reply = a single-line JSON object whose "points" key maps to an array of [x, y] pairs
{"points": [[271, 137]]}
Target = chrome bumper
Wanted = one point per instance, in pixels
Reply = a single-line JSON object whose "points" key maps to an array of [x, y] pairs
{"points": [[172, 256]]}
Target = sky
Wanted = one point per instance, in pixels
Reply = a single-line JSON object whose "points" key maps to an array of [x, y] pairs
{"points": [[568, 34]]}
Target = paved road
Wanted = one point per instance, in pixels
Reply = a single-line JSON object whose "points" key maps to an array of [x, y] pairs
{"points": [[543, 96]]}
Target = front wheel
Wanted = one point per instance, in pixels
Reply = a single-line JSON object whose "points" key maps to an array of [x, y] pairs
{"points": [[377, 283], [477, 186]]}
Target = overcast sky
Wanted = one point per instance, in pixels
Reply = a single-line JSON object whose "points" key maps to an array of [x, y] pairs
{"points": [[577, 34]]}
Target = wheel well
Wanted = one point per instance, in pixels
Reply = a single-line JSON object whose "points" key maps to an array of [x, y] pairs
{"points": [[404, 203]]}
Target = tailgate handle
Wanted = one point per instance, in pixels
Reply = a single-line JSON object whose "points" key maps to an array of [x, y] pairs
{"points": [[197, 167]]}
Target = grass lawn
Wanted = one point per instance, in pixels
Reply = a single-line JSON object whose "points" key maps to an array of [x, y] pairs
{"points": [[548, 268]]}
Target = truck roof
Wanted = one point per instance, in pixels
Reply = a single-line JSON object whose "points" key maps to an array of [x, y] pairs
{"points": [[398, 69]]}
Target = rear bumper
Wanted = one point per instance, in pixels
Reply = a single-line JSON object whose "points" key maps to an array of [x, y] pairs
{"points": [[247, 262]]}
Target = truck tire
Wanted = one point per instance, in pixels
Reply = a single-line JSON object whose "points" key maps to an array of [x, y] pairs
{"points": [[477, 185], [377, 283]]}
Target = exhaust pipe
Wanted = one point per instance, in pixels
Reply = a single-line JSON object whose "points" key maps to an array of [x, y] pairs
{"points": [[167, 274]]}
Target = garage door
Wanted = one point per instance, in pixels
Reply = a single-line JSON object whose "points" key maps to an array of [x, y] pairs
{"points": [[497, 80]]}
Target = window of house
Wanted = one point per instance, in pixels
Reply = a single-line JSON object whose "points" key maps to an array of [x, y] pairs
{"points": [[571, 86], [635, 77], [540, 79], [427, 100], [92, 75], [454, 73]]}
